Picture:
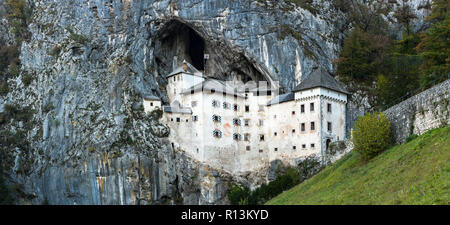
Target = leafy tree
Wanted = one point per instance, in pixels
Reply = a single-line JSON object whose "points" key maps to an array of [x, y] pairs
{"points": [[434, 47], [404, 15], [371, 135]]}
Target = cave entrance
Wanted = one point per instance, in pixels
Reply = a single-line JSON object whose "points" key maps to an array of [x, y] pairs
{"points": [[177, 42]]}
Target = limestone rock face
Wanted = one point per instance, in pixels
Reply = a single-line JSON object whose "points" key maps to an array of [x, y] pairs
{"points": [[92, 60]]}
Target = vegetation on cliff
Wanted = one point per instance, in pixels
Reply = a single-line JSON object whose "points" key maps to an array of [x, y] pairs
{"points": [[415, 172], [385, 68]]}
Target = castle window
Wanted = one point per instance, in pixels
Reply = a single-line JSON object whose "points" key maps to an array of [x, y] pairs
{"points": [[303, 146], [260, 151], [302, 108], [236, 122], [261, 123], [215, 103], [303, 127], [194, 118], [216, 119], [194, 103], [187, 120], [311, 107], [293, 113], [226, 105], [151, 103], [247, 148], [192, 91], [237, 137], [276, 149], [294, 147], [313, 145], [329, 107], [247, 122], [329, 126], [293, 131], [235, 107], [171, 119], [247, 108], [213, 91], [217, 133], [261, 137], [313, 126], [247, 137], [178, 120], [275, 134]]}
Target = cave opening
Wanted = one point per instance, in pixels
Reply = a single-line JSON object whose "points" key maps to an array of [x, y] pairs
{"points": [[196, 50], [177, 42]]}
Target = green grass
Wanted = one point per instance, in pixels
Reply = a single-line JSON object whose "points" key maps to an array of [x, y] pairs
{"points": [[417, 172]]}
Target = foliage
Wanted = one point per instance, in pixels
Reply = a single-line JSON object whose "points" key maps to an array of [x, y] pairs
{"points": [[434, 46], [9, 55], [18, 16], [4, 89], [411, 137], [27, 79], [77, 37], [5, 192], [414, 173], [242, 195], [156, 114], [371, 135]]}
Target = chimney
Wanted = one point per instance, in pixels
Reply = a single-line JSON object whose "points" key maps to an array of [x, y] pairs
{"points": [[185, 67]]}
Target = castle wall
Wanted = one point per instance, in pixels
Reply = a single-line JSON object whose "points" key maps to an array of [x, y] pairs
{"points": [[420, 113]]}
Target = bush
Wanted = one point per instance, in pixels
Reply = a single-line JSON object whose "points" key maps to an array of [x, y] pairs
{"points": [[27, 79], [243, 196], [156, 114], [411, 137], [238, 195], [371, 135], [4, 89]]}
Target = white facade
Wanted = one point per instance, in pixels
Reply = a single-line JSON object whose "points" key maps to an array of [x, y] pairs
{"points": [[240, 131], [151, 104]]}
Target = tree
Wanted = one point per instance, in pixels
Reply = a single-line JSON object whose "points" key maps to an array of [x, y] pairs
{"points": [[371, 135], [434, 46], [404, 15]]}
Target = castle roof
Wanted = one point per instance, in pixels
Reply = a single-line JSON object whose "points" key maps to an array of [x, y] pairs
{"points": [[320, 78], [151, 97], [219, 86], [281, 98], [190, 70], [176, 107]]}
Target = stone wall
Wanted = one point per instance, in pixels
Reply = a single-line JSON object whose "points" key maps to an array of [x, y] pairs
{"points": [[420, 113]]}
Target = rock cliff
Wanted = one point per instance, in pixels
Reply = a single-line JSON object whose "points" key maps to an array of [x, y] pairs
{"points": [[86, 138]]}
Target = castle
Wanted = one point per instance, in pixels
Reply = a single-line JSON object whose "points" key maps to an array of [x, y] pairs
{"points": [[241, 127]]}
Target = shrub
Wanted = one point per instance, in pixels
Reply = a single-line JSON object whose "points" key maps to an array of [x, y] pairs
{"points": [[243, 196], [411, 137], [371, 135], [4, 89], [237, 194], [27, 79], [156, 114]]}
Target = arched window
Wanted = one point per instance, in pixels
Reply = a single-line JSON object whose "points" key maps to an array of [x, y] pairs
{"points": [[237, 137], [236, 122], [216, 119], [217, 133]]}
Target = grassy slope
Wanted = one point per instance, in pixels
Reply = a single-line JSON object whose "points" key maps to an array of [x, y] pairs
{"points": [[417, 172]]}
